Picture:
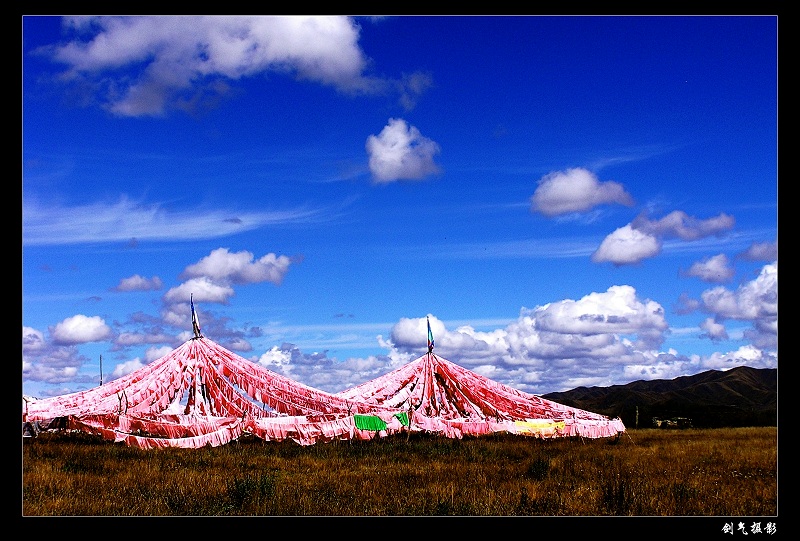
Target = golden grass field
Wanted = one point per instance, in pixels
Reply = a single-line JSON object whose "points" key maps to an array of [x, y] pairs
{"points": [[722, 472]]}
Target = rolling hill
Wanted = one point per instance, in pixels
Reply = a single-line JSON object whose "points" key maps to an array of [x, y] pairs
{"points": [[741, 396]]}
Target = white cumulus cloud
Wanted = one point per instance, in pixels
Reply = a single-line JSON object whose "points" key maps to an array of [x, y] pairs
{"points": [[167, 62], [139, 283], [575, 190], [80, 329], [626, 245], [713, 330], [201, 289], [401, 152], [222, 266], [678, 224], [714, 269]]}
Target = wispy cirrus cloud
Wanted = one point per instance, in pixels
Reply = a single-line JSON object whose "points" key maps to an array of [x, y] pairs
{"points": [[126, 219]]}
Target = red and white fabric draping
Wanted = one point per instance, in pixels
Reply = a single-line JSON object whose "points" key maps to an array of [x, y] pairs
{"points": [[202, 394]]}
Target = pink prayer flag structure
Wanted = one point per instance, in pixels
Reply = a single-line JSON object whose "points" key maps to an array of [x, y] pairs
{"points": [[200, 394]]}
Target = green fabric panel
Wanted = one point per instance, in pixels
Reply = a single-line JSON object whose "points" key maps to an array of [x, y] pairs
{"points": [[369, 422], [403, 417]]}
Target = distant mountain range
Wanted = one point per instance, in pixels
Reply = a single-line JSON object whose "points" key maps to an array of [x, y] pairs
{"points": [[741, 396]]}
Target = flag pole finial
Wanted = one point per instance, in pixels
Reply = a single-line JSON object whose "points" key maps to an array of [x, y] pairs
{"points": [[430, 336], [195, 322]]}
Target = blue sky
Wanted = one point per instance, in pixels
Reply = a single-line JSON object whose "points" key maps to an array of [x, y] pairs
{"points": [[570, 201]]}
